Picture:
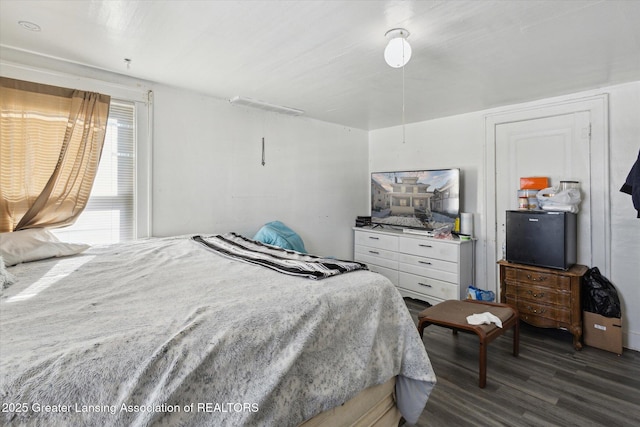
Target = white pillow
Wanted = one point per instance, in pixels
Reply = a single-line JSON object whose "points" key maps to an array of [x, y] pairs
{"points": [[34, 244]]}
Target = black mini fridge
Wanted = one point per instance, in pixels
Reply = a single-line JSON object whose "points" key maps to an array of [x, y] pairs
{"points": [[542, 238]]}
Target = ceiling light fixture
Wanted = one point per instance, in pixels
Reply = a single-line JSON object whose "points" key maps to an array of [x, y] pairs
{"points": [[398, 50], [397, 54], [250, 102], [29, 25]]}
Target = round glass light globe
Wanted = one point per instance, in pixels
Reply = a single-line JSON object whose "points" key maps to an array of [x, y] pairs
{"points": [[397, 53]]}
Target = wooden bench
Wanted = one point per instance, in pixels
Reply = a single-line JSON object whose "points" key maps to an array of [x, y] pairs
{"points": [[453, 314]]}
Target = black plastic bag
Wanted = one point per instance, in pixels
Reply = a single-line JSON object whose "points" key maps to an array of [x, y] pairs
{"points": [[599, 295]]}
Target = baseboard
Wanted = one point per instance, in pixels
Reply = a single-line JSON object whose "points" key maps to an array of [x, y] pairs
{"points": [[631, 340]]}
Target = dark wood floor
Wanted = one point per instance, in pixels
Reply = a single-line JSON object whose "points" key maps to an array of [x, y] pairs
{"points": [[549, 384]]}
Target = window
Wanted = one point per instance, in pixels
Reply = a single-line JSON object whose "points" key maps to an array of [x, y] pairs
{"points": [[110, 213]]}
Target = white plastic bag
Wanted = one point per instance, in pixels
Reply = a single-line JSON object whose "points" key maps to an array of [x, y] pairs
{"points": [[553, 199]]}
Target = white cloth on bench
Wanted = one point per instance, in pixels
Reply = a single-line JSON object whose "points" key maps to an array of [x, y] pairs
{"points": [[485, 318]]}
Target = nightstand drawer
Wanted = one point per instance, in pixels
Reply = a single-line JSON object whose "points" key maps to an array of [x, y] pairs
{"points": [[542, 295], [538, 278], [539, 314], [377, 240]]}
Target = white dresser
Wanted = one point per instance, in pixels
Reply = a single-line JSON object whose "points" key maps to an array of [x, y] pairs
{"points": [[421, 267]]}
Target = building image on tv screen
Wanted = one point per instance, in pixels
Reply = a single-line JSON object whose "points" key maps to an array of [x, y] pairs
{"points": [[427, 199]]}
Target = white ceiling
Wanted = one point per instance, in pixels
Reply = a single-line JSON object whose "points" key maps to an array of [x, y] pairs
{"points": [[326, 57]]}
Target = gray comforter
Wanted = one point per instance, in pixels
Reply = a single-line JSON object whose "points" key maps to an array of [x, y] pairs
{"points": [[166, 332]]}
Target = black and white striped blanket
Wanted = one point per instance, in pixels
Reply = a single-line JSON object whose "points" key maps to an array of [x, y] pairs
{"points": [[235, 246]]}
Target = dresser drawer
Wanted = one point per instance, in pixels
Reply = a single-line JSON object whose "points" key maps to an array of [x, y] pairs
{"points": [[538, 278], [542, 295], [426, 270], [371, 255], [428, 286], [429, 248], [389, 273], [376, 240], [431, 263]]}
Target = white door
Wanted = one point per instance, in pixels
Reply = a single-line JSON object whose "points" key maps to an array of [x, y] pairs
{"points": [[556, 147], [564, 139]]}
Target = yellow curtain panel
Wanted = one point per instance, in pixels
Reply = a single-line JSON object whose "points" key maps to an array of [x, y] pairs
{"points": [[50, 145]]}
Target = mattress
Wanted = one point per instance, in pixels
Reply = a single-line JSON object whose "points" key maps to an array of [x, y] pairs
{"points": [[165, 332]]}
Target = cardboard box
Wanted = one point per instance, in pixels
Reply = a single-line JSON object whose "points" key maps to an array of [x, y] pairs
{"points": [[534, 183], [602, 332]]}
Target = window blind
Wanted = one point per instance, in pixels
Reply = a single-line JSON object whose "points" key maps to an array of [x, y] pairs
{"points": [[109, 216]]}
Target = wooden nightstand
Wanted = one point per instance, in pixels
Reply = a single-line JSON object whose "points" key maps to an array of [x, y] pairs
{"points": [[545, 297]]}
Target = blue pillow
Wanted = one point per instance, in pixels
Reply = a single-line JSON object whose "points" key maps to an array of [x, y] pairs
{"points": [[277, 234]]}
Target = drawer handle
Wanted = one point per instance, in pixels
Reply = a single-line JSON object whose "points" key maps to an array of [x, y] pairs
{"points": [[533, 294], [539, 279], [374, 252], [424, 246], [424, 262], [534, 311], [374, 238], [425, 284]]}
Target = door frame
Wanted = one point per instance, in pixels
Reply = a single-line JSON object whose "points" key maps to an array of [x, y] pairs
{"points": [[598, 108]]}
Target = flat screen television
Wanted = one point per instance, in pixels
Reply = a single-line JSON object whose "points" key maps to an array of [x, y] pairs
{"points": [[421, 199]]}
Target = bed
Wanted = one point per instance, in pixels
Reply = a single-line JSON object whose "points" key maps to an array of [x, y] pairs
{"points": [[167, 331]]}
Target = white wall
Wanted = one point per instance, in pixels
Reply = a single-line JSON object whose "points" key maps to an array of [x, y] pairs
{"points": [[450, 142], [208, 176], [459, 141], [206, 171], [624, 131]]}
